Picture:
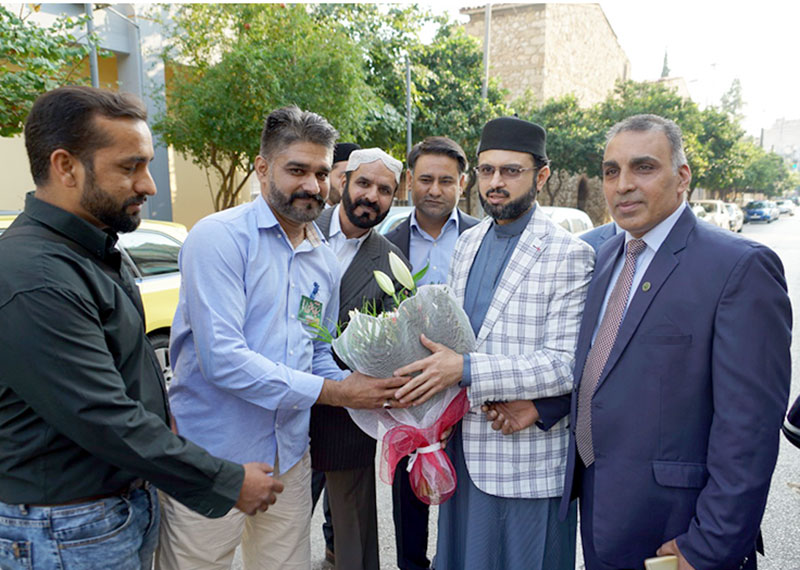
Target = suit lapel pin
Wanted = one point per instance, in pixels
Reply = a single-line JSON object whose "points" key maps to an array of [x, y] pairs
{"points": [[646, 286]]}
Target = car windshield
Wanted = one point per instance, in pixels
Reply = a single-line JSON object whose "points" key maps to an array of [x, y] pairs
{"points": [[709, 207], [152, 252], [756, 204]]}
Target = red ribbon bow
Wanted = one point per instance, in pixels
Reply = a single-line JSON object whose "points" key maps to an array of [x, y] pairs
{"points": [[431, 473]]}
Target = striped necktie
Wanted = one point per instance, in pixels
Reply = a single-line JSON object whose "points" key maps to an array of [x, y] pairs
{"points": [[598, 354]]}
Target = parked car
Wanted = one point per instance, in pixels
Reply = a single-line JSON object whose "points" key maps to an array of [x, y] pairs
{"points": [[715, 212], [735, 215], [151, 253], [785, 206], [396, 215], [760, 211], [571, 219]]}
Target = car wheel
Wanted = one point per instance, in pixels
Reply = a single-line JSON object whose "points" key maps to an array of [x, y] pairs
{"points": [[160, 344]]}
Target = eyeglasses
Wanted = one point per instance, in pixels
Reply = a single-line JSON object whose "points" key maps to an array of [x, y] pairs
{"points": [[508, 172]]}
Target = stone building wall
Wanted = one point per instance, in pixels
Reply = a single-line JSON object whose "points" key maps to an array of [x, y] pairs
{"points": [[594, 204], [582, 54], [551, 50], [517, 41]]}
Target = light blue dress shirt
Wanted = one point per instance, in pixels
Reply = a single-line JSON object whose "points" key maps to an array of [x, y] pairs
{"points": [[653, 240], [423, 249], [247, 370]]}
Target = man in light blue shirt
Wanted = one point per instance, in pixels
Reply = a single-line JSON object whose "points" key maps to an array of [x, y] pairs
{"points": [[436, 176], [255, 281]]}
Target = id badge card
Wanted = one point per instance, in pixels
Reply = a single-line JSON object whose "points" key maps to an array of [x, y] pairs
{"points": [[310, 311]]}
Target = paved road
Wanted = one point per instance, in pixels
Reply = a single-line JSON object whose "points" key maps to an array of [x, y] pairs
{"points": [[781, 526], [781, 521]]}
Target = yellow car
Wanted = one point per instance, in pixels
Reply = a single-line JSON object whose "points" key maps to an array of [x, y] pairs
{"points": [[151, 252]]}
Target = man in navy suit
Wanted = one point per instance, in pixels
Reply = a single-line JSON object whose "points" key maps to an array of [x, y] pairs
{"points": [[436, 175], [684, 418], [678, 405]]}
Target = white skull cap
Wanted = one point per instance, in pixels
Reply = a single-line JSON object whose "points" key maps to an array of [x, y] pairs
{"points": [[367, 155]]}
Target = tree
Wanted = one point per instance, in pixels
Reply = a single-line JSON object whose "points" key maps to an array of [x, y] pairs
{"points": [[385, 35], [446, 74], [34, 59], [633, 98], [665, 67], [732, 101], [239, 62], [448, 89], [763, 171], [574, 143], [720, 143]]}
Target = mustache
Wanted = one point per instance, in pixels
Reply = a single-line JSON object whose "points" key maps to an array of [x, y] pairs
{"points": [[137, 200], [367, 204], [499, 191], [300, 195]]}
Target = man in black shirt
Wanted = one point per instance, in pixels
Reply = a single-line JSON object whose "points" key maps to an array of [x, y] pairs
{"points": [[84, 417]]}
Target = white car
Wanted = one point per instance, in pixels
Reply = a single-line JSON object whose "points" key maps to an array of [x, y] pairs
{"points": [[786, 206], [396, 216], [715, 211], [735, 215], [571, 219]]}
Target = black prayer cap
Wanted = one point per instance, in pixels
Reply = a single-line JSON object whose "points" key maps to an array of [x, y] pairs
{"points": [[511, 133], [342, 151]]}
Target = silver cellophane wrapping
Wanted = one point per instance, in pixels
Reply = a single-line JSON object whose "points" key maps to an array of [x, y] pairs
{"points": [[377, 346]]}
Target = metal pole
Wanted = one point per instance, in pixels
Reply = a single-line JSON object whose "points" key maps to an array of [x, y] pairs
{"points": [[487, 34], [92, 50], [408, 106]]}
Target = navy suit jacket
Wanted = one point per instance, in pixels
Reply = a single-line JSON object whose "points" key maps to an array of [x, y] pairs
{"points": [[687, 413], [599, 235], [401, 235]]}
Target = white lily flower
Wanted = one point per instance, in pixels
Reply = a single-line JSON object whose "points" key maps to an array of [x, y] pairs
{"points": [[401, 271], [384, 282]]}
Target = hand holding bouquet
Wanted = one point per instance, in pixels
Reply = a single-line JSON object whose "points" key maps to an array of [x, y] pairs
{"points": [[379, 345]]}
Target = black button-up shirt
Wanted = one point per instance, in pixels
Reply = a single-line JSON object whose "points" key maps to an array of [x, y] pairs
{"points": [[83, 408]]}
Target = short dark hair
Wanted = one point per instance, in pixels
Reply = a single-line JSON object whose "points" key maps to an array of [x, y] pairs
{"points": [[64, 119], [439, 145], [289, 125]]}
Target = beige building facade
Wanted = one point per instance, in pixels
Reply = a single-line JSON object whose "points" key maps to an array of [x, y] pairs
{"points": [[783, 138], [184, 189], [549, 50]]}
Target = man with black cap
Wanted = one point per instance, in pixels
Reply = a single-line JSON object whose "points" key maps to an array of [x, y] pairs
{"points": [[341, 154], [522, 281]]}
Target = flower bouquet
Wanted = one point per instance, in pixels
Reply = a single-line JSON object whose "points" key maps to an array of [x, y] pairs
{"points": [[378, 345]]}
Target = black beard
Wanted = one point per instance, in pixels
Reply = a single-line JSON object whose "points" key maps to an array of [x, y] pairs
{"points": [[511, 210], [102, 206], [363, 221], [285, 207]]}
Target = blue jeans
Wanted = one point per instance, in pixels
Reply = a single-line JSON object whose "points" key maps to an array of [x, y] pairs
{"points": [[117, 532]]}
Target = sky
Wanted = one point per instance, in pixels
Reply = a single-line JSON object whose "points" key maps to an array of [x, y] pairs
{"points": [[709, 44]]}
